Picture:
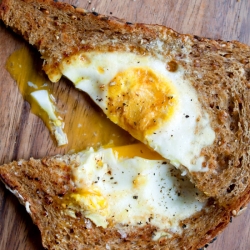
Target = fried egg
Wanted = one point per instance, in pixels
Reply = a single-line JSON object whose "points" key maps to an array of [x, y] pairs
{"points": [[156, 106], [113, 190]]}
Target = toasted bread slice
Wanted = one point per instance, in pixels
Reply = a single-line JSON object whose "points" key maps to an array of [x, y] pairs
{"points": [[219, 72], [45, 188]]}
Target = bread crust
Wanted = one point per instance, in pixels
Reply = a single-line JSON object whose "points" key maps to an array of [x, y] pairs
{"points": [[41, 185]]}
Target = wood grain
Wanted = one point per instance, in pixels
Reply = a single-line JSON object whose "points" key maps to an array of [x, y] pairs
{"points": [[23, 135]]}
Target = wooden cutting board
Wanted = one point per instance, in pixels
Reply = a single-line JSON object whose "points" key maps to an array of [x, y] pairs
{"points": [[23, 135]]}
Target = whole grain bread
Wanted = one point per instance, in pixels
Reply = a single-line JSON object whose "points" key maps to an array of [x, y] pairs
{"points": [[42, 185], [219, 71]]}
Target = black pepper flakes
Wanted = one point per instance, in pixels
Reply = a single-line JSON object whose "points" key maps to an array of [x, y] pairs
{"points": [[187, 116], [135, 197]]}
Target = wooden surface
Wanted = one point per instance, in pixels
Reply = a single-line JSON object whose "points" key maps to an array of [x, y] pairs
{"points": [[23, 135]]}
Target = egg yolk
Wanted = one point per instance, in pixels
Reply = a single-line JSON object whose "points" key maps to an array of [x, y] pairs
{"points": [[90, 199], [25, 72], [139, 101], [137, 150]]}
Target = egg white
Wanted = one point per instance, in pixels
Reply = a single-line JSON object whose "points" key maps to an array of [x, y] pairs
{"points": [[43, 100], [132, 191], [179, 139]]}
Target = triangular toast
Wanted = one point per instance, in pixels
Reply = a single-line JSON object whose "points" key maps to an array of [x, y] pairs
{"points": [[44, 187]]}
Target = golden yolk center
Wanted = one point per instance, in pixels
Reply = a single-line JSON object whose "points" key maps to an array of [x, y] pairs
{"points": [[139, 101]]}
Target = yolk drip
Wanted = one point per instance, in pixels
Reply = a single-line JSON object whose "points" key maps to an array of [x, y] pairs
{"points": [[137, 150], [85, 124], [139, 101], [23, 67]]}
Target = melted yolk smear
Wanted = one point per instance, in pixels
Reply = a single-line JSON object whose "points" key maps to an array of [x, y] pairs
{"points": [[23, 67], [84, 124], [137, 150], [35, 89]]}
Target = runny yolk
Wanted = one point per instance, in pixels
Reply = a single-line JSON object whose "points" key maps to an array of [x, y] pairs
{"points": [[139, 101], [23, 67], [85, 125], [137, 150]]}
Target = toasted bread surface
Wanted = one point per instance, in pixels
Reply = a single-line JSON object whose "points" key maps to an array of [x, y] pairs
{"points": [[219, 71], [229, 181], [41, 186]]}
